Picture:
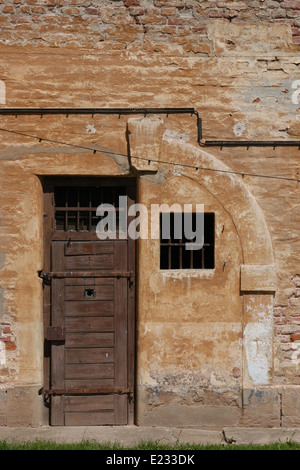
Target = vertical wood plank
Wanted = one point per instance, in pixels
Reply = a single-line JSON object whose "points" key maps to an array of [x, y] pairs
{"points": [[121, 328], [48, 203], [131, 288], [57, 349]]}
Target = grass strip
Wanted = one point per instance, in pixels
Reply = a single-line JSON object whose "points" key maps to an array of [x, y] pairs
{"points": [[93, 445]]}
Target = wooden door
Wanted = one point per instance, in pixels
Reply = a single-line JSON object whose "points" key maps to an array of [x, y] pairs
{"points": [[90, 326]]}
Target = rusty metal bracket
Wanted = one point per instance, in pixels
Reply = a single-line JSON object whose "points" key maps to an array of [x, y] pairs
{"points": [[45, 278]]}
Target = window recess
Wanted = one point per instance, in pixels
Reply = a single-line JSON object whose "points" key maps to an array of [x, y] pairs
{"points": [[174, 252]]}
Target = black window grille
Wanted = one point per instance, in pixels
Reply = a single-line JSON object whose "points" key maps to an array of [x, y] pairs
{"points": [[75, 207], [174, 252]]}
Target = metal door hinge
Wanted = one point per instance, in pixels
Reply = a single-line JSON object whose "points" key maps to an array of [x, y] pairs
{"points": [[55, 333]]}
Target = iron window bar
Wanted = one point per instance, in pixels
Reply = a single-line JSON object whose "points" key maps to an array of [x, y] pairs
{"points": [[126, 111], [75, 208], [173, 253]]}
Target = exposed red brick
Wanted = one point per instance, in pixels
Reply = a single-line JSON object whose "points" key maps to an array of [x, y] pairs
{"points": [[278, 13], [231, 14], [38, 9], [136, 11], [152, 19], [174, 13], [8, 9], [292, 14], [25, 9], [6, 329], [3, 20], [71, 11], [180, 21], [131, 3], [215, 14], [291, 4], [169, 11], [91, 11], [169, 3], [197, 48], [6, 339]]}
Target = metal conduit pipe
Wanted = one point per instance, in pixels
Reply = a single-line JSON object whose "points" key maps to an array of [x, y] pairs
{"points": [[145, 111]]}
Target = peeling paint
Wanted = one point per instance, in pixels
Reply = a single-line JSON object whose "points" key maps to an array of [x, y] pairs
{"points": [[258, 348], [1, 302], [281, 99], [157, 178], [181, 274], [2, 92], [90, 129], [239, 129], [170, 134], [2, 354]]}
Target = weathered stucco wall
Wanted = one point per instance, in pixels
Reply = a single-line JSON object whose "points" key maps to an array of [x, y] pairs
{"points": [[237, 63], [187, 320]]}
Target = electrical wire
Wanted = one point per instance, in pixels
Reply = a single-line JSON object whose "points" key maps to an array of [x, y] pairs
{"points": [[117, 154]]}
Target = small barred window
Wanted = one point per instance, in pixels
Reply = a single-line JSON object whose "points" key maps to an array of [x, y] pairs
{"points": [[179, 251]]}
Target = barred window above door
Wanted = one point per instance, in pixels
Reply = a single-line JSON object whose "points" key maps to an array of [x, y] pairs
{"points": [[174, 252], [75, 207]]}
